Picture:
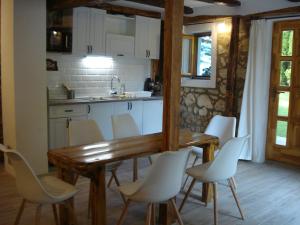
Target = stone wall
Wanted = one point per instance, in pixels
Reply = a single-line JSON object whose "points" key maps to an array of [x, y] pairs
{"points": [[199, 105]]}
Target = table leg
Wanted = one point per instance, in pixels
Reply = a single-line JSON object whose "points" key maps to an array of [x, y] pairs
{"points": [[65, 217], [207, 189], [98, 197]]}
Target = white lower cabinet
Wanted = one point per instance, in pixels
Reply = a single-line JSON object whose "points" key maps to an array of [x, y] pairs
{"points": [[101, 113], [135, 108], [152, 116], [58, 131], [147, 115]]}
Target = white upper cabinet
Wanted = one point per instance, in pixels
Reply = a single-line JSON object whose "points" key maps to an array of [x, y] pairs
{"points": [[88, 31], [147, 37], [119, 45]]}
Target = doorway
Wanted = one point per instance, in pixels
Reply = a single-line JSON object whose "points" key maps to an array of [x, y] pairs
{"points": [[283, 142]]}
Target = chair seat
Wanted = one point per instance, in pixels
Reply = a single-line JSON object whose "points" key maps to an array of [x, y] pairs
{"points": [[130, 188], [59, 189], [197, 151], [198, 172]]}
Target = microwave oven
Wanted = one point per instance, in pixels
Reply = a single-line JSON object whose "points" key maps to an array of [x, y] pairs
{"points": [[59, 39]]}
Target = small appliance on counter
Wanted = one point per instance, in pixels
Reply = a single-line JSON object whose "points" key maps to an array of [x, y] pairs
{"points": [[154, 86]]}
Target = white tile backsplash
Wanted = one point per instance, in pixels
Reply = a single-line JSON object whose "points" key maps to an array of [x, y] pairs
{"points": [[93, 78]]}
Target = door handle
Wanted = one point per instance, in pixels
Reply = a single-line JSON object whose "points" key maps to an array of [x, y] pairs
{"points": [[89, 109]]}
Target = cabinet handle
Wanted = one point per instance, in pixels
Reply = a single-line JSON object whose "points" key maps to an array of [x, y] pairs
{"points": [[120, 54], [69, 110], [149, 54], [89, 109], [128, 106], [68, 122], [91, 49], [146, 53]]}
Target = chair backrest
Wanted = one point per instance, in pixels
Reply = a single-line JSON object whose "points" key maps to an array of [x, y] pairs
{"points": [[124, 126], [222, 127], [83, 132], [28, 185], [164, 178], [224, 166]]}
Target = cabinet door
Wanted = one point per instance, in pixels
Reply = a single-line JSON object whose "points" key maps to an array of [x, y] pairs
{"points": [[119, 45], [154, 38], [101, 113], [152, 116], [141, 37], [97, 35], [81, 30], [135, 108], [58, 133]]}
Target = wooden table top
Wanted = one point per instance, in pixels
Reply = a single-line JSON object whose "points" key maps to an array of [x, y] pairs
{"points": [[82, 159]]}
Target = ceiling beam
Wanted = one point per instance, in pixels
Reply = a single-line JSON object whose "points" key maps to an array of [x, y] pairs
{"points": [[160, 4], [232, 3], [113, 9]]}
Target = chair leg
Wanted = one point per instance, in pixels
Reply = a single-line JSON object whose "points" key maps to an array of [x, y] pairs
{"points": [[113, 172], [215, 193], [153, 221], [110, 181], [90, 201], [124, 212], [187, 194], [187, 176], [234, 183], [20, 212], [149, 211], [176, 212], [71, 212], [230, 182], [55, 214], [135, 169], [75, 179], [38, 214]]}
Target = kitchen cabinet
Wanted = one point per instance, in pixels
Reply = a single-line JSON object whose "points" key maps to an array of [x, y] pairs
{"points": [[152, 116], [147, 37], [101, 113], [134, 108], [119, 45], [88, 31], [59, 118]]}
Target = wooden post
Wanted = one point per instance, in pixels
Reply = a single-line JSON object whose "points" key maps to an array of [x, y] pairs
{"points": [[232, 68], [172, 73]]}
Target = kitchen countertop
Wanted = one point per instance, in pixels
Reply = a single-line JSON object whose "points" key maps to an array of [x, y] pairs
{"points": [[90, 100]]}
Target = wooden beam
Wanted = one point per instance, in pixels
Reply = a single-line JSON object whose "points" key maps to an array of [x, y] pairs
{"points": [[161, 4], [274, 13], [232, 67], [231, 3], [115, 9], [172, 73], [190, 20]]}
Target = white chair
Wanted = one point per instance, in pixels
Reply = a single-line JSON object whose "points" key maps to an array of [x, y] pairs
{"points": [[41, 190], [221, 127], [124, 126], [161, 183], [83, 132], [223, 167]]}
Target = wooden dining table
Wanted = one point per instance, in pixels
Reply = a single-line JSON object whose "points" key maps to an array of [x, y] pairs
{"points": [[90, 160]]}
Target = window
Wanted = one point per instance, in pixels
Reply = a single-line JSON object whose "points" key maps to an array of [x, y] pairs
{"points": [[199, 56]]}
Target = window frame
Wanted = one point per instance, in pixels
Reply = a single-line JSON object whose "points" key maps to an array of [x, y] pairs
{"points": [[192, 80]]}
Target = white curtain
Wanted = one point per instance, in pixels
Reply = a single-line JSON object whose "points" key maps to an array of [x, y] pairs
{"points": [[254, 111]]}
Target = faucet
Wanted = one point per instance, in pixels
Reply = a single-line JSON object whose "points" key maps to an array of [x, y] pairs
{"points": [[113, 90]]}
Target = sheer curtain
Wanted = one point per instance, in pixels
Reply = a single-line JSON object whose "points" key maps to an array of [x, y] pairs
{"points": [[254, 111]]}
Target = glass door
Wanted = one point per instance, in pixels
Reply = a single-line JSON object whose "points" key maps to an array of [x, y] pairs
{"points": [[283, 143]]}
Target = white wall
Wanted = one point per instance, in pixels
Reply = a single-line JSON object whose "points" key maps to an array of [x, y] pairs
{"points": [[247, 7], [24, 79], [92, 76]]}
